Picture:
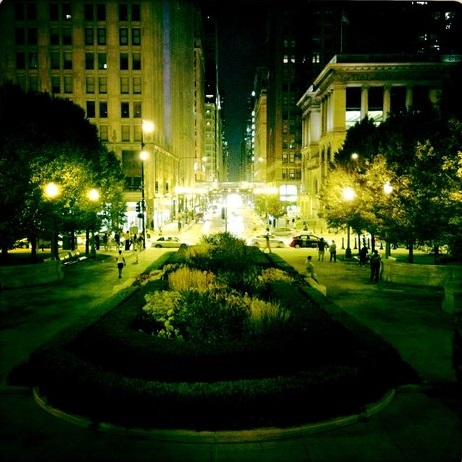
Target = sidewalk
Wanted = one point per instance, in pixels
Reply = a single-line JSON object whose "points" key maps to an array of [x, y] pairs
{"points": [[419, 424]]}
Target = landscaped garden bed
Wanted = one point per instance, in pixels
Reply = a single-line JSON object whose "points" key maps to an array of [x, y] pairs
{"points": [[218, 338]]}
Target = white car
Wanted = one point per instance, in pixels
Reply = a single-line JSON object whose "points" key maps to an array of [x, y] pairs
{"points": [[168, 242], [260, 241]]}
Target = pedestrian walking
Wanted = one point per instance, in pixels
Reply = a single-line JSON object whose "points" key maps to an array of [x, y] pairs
{"points": [[321, 249], [127, 241], [310, 268], [376, 261], [267, 237], [333, 251], [120, 263]]}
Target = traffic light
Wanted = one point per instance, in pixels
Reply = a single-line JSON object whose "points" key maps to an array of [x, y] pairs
{"points": [[138, 207]]}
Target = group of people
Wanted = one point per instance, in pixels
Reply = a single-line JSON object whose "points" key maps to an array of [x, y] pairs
{"points": [[323, 245], [375, 260]]}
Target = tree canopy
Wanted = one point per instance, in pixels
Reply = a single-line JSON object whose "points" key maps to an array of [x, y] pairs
{"points": [[45, 139], [406, 174]]}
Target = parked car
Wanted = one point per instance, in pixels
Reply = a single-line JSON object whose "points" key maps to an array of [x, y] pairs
{"points": [[304, 240], [168, 242], [260, 241]]}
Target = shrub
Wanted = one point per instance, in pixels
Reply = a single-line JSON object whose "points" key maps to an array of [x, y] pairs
{"points": [[190, 279]]}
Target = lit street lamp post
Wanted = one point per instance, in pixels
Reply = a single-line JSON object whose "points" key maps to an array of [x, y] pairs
{"points": [[147, 127], [348, 194], [51, 192], [93, 195]]}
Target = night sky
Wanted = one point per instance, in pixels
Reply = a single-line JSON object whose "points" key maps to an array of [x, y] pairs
{"points": [[241, 35]]}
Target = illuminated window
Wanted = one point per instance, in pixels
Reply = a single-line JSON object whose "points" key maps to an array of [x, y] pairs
{"points": [[101, 36], [123, 36], [89, 36], [102, 85], [124, 85], [90, 85]]}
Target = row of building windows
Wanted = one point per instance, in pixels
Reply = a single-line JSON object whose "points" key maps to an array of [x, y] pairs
{"points": [[63, 60], [27, 11], [127, 110], [63, 36]]}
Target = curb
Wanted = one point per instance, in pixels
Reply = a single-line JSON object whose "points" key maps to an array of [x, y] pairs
{"points": [[231, 436]]}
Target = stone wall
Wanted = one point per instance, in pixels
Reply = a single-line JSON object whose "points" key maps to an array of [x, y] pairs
{"points": [[15, 277], [447, 276]]}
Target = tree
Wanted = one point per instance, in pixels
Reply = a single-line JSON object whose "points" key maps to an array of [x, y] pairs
{"points": [[51, 141]]}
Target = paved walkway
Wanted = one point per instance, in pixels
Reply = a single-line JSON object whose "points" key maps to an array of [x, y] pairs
{"points": [[419, 424]]}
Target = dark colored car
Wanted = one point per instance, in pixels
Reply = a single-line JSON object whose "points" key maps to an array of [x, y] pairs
{"points": [[304, 240]]}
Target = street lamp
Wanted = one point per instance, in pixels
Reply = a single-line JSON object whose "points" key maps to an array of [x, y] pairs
{"points": [[146, 127], [348, 194], [93, 195], [52, 191], [387, 189]]}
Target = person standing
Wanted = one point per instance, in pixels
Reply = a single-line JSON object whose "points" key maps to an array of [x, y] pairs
{"points": [[321, 249], [310, 268], [363, 255], [333, 251], [127, 241], [375, 266], [120, 263]]}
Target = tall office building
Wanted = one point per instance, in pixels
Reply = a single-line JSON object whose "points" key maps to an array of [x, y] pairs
{"points": [[123, 62]]}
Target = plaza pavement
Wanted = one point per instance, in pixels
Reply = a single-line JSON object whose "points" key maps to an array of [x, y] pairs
{"points": [[418, 423]]}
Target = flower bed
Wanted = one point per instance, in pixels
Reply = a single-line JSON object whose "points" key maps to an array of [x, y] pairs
{"points": [[149, 365]]}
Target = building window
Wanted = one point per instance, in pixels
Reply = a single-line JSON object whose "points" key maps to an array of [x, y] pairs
{"points": [[19, 11], [136, 12], [137, 110], [397, 99], [90, 85], [89, 61], [103, 109], [89, 36], [102, 61], [31, 12], [33, 61], [20, 36], [104, 133], [32, 36], [101, 36], [125, 110], [136, 64], [137, 85], [100, 12], [91, 109], [33, 83], [67, 62], [123, 12], [125, 132], [124, 85], [136, 36], [67, 15], [123, 36], [67, 36], [55, 85], [88, 12], [54, 56], [102, 85], [123, 61], [54, 36], [54, 11], [68, 84]]}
